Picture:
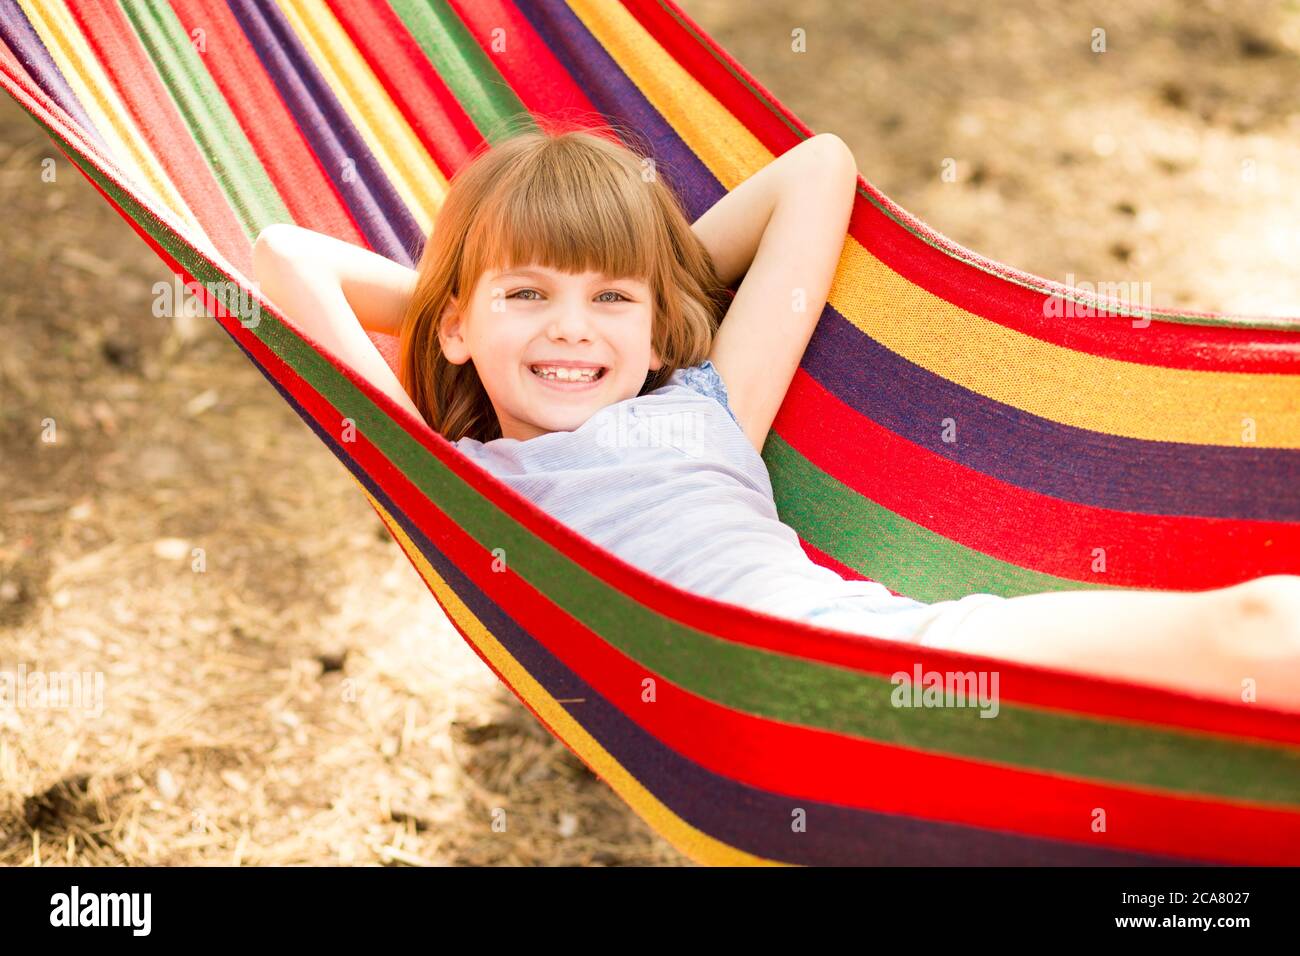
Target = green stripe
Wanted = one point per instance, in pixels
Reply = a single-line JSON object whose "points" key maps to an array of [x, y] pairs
{"points": [[776, 686], [887, 547], [217, 133], [462, 64]]}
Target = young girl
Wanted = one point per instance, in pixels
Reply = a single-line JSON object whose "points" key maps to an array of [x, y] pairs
{"points": [[562, 330]]}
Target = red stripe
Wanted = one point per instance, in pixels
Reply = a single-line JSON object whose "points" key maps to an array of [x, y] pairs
{"points": [[1033, 686], [294, 171], [127, 63], [827, 766], [1167, 344], [1040, 532], [431, 109], [534, 74], [950, 274]]}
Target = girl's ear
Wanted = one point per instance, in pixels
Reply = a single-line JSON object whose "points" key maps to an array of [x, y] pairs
{"points": [[451, 335]]}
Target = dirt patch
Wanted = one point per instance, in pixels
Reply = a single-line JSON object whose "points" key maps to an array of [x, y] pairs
{"points": [[1167, 159]]}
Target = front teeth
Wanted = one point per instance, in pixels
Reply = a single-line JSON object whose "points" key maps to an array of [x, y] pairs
{"points": [[562, 373]]}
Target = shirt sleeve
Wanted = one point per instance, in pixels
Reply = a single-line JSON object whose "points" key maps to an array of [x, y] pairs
{"points": [[470, 448], [704, 378]]}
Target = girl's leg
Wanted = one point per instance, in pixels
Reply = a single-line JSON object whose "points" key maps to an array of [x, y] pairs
{"points": [[1206, 642]]}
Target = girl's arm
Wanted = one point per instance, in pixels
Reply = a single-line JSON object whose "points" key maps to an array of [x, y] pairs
{"points": [[783, 229], [335, 291], [1208, 642]]}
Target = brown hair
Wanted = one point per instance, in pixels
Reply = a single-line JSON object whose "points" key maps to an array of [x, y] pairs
{"points": [[574, 200]]}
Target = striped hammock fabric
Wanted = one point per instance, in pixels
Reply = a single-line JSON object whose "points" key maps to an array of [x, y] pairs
{"points": [[1155, 450]]}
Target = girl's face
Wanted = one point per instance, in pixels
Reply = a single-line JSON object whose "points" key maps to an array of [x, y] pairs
{"points": [[552, 348]]}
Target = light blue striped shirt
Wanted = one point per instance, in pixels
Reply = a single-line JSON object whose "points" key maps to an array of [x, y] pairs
{"points": [[669, 482]]}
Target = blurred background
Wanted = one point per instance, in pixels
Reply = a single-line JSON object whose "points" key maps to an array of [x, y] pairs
{"points": [[304, 700]]}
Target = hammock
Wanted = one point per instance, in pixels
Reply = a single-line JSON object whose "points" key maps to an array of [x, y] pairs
{"points": [[1091, 452]]}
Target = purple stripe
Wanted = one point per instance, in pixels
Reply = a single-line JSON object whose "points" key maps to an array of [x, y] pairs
{"points": [[754, 820], [622, 104], [1037, 454], [380, 214], [27, 47]]}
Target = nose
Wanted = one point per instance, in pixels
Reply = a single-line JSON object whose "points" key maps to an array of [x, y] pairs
{"points": [[570, 324]]}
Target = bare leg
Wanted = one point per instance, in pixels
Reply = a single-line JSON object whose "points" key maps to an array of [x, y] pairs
{"points": [[1205, 642]]}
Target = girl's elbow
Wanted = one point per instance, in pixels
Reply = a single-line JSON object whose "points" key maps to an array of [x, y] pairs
{"points": [[834, 163], [834, 151], [273, 245]]}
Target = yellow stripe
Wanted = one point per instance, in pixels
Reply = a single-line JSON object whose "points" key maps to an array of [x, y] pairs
{"points": [[405, 161], [692, 842], [98, 97], [1075, 388], [722, 142], [1106, 395]]}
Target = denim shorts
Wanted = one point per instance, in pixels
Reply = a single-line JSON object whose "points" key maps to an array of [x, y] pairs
{"points": [[900, 618]]}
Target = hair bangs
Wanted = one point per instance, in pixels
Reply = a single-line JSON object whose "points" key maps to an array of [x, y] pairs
{"points": [[571, 217]]}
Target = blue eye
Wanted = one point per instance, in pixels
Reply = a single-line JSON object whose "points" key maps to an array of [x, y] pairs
{"points": [[621, 296], [515, 295]]}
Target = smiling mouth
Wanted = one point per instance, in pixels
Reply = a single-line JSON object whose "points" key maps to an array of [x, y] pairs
{"points": [[569, 374]]}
